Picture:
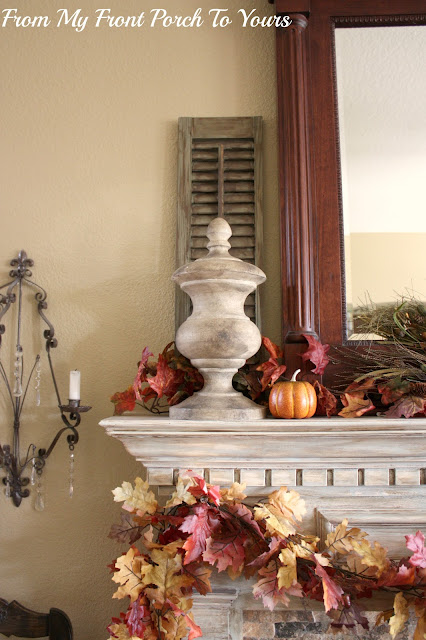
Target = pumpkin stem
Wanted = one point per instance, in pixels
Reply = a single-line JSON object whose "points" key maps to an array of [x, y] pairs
{"points": [[295, 374]]}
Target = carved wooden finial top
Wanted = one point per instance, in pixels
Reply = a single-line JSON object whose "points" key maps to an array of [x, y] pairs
{"points": [[218, 233]]}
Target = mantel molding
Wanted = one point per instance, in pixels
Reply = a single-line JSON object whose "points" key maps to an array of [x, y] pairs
{"points": [[324, 443]]}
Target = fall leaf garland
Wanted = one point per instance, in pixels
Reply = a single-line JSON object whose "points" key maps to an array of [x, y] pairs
{"points": [[203, 527]]}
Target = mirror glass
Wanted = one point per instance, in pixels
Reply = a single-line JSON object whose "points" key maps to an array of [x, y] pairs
{"points": [[381, 85]]}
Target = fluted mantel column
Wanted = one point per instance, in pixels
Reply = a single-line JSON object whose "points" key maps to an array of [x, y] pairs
{"points": [[297, 219]]}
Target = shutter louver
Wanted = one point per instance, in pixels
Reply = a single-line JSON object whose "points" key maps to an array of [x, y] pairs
{"points": [[219, 174]]}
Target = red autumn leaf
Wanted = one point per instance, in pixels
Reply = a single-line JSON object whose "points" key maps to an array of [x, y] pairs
{"points": [[167, 380], [332, 592], [201, 523], [267, 588], [124, 401], [275, 546], [273, 349], [316, 353], [227, 551], [203, 489], [398, 576], [271, 372], [141, 374], [416, 543], [147, 394], [246, 515], [138, 617], [407, 407], [326, 401]]}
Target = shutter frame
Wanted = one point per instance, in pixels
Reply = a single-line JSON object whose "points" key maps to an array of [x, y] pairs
{"points": [[243, 162]]}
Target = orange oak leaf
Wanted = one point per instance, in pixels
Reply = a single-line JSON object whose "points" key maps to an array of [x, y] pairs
{"points": [[174, 627], [341, 539], [273, 349], [332, 592], [165, 573], [316, 353], [200, 576], [355, 405], [123, 401], [201, 523], [416, 543], [194, 629]]}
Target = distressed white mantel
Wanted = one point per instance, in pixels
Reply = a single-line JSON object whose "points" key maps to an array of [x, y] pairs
{"points": [[370, 470]]}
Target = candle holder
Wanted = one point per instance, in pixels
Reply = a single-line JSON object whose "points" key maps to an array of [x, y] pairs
{"points": [[14, 465]]}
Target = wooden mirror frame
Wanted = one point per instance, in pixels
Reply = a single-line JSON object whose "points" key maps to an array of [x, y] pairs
{"points": [[312, 252]]}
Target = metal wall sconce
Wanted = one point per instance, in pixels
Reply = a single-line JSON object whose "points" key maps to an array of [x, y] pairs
{"points": [[33, 463]]}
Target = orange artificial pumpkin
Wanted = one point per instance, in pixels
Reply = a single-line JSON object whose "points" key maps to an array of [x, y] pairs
{"points": [[292, 399]]}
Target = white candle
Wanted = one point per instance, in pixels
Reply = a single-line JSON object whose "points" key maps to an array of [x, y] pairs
{"points": [[74, 393]]}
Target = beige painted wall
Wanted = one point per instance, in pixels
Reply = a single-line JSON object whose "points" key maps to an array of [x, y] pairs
{"points": [[88, 183]]}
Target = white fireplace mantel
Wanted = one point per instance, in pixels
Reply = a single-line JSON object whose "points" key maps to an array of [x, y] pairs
{"points": [[370, 470]]}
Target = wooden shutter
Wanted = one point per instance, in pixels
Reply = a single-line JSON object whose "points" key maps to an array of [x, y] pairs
{"points": [[219, 174]]}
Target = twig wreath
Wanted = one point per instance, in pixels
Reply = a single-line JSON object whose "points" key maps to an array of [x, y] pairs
{"points": [[204, 527]]}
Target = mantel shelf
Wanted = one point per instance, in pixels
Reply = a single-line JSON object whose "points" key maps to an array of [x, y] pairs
{"points": [[270, 444]]}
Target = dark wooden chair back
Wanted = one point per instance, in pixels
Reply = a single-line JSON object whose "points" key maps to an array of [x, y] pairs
{"points": [[16, 620]]}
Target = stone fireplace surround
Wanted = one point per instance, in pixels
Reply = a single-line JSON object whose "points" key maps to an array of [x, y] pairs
{"points": [[370, 470]]}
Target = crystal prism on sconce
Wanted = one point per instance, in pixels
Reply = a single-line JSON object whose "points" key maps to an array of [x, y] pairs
{"points": [[32, 463]]}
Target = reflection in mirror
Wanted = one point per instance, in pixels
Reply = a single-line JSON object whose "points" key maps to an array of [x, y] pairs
{"points": [[381, 84]]}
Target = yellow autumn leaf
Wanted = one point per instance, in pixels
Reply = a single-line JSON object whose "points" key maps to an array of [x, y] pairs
{"points": [[181, 493], [420, 630], [174, 627], [281, 512], [341, 539], [166, 575], [400, 617], [287, 573], [372, 556], [138, 499], [305, 548], [129, 575], [235, 492], [121, 632]]}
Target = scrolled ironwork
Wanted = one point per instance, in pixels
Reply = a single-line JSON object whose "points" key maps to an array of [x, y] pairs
{"points": [[11, 461]]}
